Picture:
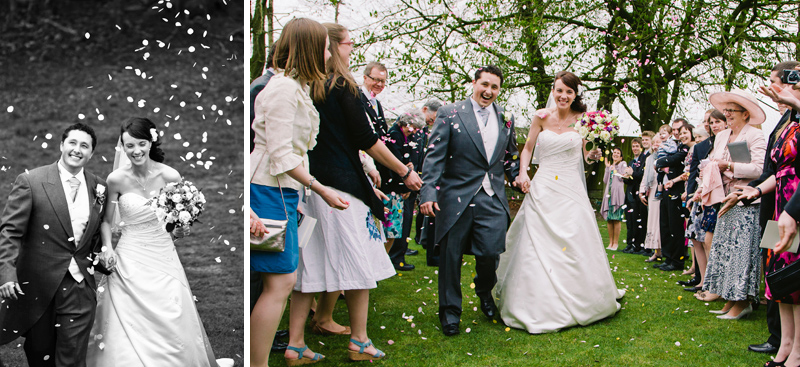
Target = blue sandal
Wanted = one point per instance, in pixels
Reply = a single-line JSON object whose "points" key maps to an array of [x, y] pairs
{"points": [[361, 356], [301, 359]]}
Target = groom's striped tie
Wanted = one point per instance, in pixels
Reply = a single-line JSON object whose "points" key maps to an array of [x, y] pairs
{"points": [[74, 184]]}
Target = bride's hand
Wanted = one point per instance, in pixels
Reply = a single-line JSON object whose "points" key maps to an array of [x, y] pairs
{"points": [[180, 232], [522, 182]]}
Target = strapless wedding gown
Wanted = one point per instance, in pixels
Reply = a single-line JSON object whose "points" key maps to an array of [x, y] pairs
{"points": [[555, 273], [146, 314]]}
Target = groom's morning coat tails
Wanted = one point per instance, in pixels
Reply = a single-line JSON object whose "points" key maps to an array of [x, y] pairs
{"points": [[470, 221], [36, 245]]}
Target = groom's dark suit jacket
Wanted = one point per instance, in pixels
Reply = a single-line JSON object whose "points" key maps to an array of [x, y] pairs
{"points": [[35, 245], [456, 162]]}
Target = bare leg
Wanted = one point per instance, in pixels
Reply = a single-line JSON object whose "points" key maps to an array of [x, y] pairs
{"points": [[691, 260], [298, 314], [738, 307], [793, 359], [358, 305], [787, 331], [267, 314], [702, 260], [324, 314]]}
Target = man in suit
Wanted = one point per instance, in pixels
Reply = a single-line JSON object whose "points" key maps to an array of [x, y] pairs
{"points": [[255, 88], [472, 146], [671, 218], [50, 229], [767, 207], [375, 75], [635, 221]]}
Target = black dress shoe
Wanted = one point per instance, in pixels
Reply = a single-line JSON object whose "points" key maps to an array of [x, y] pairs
{"points": [[411, 252], [628, 249], [693, 289], [488, 307], [659, 265], [450, 329], [281, 333], [670, 267], [404, 267], [279, 346], [763, 348], [690, 282]]}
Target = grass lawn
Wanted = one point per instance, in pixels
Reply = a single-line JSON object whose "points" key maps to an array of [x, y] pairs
{"points": [[659, 325], [194, 96]]}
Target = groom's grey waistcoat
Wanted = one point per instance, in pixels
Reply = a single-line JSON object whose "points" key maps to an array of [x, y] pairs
{"points": [[36, 245], [456, 162]]}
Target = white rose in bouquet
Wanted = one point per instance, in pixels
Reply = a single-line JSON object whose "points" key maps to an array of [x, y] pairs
{"points": [[184, 216], [176, 198], [605, 135]]}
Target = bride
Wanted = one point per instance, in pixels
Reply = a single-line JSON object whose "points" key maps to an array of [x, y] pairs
{"points": [[146, 314], [555, 273]]}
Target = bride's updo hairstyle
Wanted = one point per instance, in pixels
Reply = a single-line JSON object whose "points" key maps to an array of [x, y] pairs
{"points": [[142, 128], [572, 81]]}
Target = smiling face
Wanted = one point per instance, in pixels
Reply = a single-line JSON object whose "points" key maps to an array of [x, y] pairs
{"points": [[375, 81], [616, 155], [562, 94], [636, 148], [684, 135], [345, 48], [735, 114], [486, 89], [646, 141], [137, 150], [76, 150], [656, 142]]}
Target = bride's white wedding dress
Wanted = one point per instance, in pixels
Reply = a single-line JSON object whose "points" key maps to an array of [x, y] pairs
{"points": [[555, 273], [146, 314]]}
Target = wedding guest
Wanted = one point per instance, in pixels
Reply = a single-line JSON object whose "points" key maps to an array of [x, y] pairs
{"points": [[647, 139], [734, 264], [426, 226], [635, 212], [672, 242], [375, 77], [614, 197], [286, 125], [676, 124], [702, 218], [647, 195], [686, 137], [768, 203], [405, 142], [669, 145], [344, 251]]}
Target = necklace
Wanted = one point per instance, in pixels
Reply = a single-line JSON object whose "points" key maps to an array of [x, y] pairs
{"points": [[561, 123], [146, 179]]}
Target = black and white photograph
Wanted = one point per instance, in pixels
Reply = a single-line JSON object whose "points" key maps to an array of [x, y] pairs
{"points": [[121, 188]]}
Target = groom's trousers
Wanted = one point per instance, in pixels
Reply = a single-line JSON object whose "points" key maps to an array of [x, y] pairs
{"points": [[61, 335], [480, 231]]}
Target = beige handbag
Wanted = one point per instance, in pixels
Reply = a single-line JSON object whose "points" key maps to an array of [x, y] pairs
{"points": [[275, 238]]}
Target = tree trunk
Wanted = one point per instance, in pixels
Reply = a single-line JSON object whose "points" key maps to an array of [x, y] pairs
{"points": [[258, 59]]}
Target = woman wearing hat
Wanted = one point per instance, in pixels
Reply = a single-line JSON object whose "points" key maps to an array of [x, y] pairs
{"points": [[734, 264]]}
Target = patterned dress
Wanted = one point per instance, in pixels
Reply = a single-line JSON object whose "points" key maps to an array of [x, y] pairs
{"points": [[785, 157]]}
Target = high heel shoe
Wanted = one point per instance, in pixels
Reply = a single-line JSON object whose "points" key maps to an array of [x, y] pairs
{"points": [[718, 312], [742, 314], [301, 359], [361, 355], [775, 364]]}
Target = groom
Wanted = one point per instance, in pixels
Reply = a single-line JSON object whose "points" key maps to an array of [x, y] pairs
{"points": [[470, 148], [48, 231]]}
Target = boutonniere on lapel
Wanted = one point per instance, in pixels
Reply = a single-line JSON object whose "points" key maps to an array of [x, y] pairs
{"points": [[508, 124], [100, 196]]}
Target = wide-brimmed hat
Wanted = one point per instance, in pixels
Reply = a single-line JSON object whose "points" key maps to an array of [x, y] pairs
{"points": [[742, 98]]}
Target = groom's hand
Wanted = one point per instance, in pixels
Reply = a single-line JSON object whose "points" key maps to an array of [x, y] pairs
{"points": [[428, 208], [10, 290], [108, 259]]}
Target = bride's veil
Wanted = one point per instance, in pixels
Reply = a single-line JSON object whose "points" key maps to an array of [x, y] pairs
{"points": [[120, 160]]}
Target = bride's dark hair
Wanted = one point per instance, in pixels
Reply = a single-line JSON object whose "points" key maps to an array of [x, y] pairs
{"points": [[140, 128], [572, 81]]}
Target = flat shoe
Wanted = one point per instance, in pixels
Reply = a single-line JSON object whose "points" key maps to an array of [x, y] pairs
{"points": [[316, 329]]}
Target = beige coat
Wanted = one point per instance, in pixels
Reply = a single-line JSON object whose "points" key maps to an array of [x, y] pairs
{"points": [[286, 124], [742, 173]]}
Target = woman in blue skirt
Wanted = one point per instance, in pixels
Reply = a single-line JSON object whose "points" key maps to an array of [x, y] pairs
{"points": [[286, 126]]}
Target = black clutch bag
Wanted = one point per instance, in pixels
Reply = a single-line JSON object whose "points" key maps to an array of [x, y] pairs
{"points": [[785, 281]]}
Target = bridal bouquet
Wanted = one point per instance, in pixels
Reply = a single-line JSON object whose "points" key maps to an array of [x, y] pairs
{"points": [[178, 204], [599, 128]]}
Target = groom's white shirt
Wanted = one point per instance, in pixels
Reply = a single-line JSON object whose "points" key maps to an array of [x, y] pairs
{"points": [[489, 136], [78, 213]]}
